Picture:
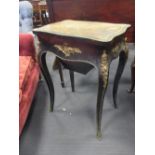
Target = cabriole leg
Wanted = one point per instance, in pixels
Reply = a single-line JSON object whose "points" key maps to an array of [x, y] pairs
{"points": [[102, 86], [132, 77], [46, 74], [122, 61]]}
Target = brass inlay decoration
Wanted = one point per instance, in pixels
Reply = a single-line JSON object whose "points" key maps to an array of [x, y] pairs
{"points": [[126, 49], [67, 50], [122, 46], [104, 68], [105, 58]]}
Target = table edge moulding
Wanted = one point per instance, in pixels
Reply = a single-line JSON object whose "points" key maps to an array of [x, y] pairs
{"points": [[97, 31]]}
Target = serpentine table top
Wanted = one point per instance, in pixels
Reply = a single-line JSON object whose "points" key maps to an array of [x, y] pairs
{"points": [[85, 42], [97, 31]]}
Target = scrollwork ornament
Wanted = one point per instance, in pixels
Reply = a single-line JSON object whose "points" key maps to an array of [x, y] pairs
{"points": [[122, 46]]}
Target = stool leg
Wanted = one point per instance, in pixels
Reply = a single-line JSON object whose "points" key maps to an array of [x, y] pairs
{"points": [[72, 80]]}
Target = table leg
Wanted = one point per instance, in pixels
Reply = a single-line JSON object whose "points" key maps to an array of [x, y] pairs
{"points": [[61, 75], [102, 86], [46, 74], [72, 80], [132, 77], [122, 61]]}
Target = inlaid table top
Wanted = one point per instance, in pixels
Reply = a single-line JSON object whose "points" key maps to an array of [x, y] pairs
{"points": [[97, 31]]}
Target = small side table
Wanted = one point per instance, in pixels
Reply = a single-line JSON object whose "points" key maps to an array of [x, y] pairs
{"points": [[85, 42]]}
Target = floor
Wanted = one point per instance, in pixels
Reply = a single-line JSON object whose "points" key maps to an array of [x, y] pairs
{"points": [[71, 128]]}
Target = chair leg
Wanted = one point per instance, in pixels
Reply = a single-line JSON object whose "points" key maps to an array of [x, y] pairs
{"points": [[61, 75], [72, 80]]}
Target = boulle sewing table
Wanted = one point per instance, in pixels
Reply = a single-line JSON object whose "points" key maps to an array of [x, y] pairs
{"points": [[89, 44]]}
